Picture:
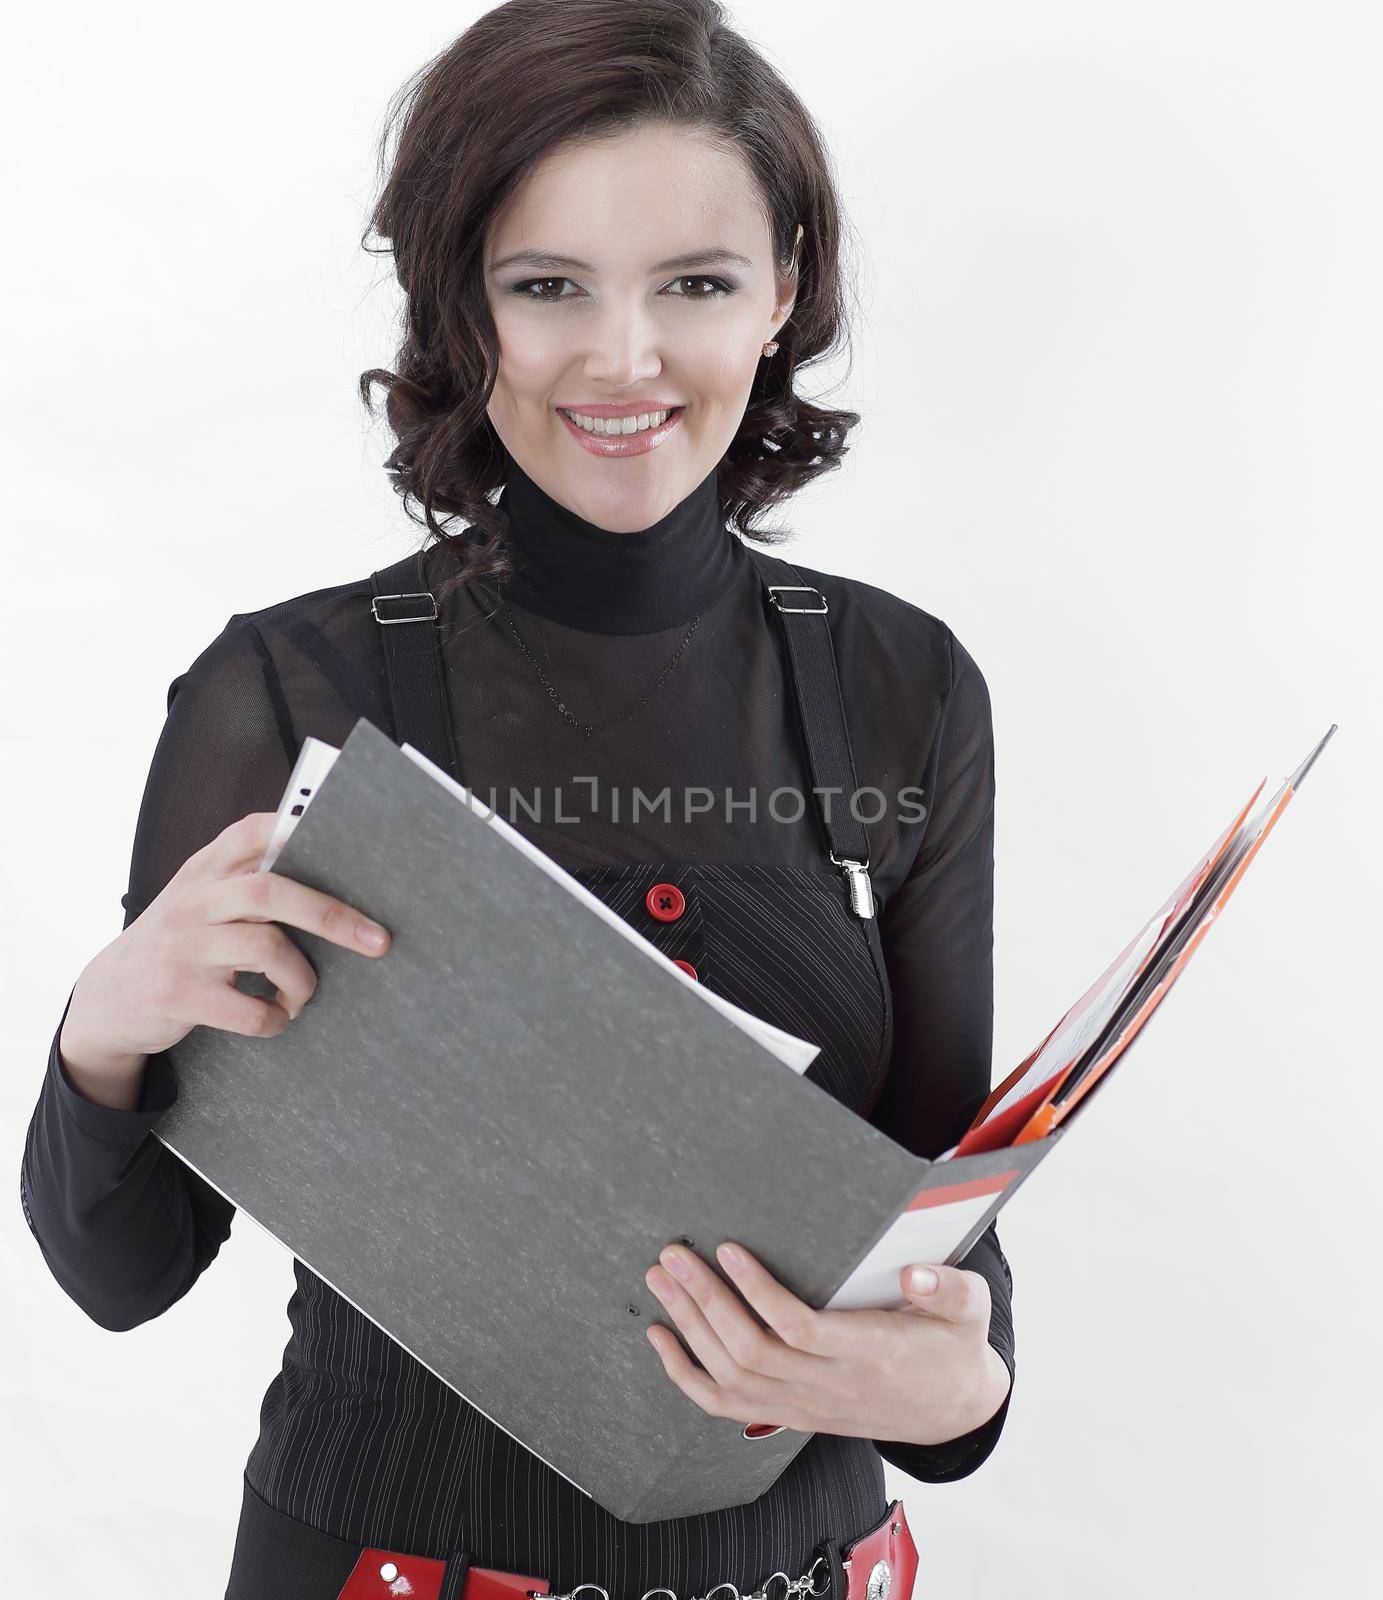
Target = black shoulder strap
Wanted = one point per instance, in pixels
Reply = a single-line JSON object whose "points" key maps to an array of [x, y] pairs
{"points": [[413, 660], [802, 611]]}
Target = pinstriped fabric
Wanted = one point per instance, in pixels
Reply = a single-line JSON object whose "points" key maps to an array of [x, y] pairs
{"points": [[625, 889], [360, 1440], [787, 947]]}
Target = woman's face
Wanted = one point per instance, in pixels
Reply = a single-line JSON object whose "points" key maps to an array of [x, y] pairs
{"points": [[647, 280]]}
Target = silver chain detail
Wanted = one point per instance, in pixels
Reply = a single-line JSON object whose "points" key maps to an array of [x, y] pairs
{"points": [[588, 728], [796, 1588]]}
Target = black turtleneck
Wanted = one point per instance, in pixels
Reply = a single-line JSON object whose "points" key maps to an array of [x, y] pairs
{"points": [[575, 572]]}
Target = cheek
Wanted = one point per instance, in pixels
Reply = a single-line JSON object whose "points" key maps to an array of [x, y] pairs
{"points": [[720, 380], [722, 361], [530, 357], [729, 375], [518, 404]]}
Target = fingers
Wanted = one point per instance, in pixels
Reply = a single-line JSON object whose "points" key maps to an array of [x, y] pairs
{"points": [[231, 917], [958, 1296], [272, 897], [721, 1328], [795, 1322], [261, 947], [690, 1320], [221, 1005]]}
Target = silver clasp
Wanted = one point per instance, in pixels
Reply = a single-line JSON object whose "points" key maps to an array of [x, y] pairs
{"points": [[857, 882], [793, 1586], [806, 1586]]}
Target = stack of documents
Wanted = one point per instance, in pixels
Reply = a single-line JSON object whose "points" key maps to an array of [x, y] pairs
{"points": [[473, 1141], [1074, 1058]]}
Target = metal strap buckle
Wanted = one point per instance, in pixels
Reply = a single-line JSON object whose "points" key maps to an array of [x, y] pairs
{"points": [[859, 883], [774, 588], [417, 594]]}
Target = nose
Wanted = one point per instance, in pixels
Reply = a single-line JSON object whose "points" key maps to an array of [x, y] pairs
{"points": [[624, 350]]}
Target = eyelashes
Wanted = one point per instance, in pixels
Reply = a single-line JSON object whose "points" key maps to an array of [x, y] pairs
{"points": [[719, 291]]}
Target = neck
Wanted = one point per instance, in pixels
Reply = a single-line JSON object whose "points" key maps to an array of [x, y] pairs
{"points": [[586, 576]]}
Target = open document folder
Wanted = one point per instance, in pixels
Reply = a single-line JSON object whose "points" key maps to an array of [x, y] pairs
{"points": [[1043, 1090], [470, 1139]]}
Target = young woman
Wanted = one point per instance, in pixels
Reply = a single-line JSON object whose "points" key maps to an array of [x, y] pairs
{"points": [[619, 241]]}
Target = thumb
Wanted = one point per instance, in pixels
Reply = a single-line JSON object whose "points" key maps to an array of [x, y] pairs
{"points": [[919, 1283], [956, 1294]]}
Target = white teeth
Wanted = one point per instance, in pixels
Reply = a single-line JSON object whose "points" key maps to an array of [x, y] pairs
{"points": [[619, 425]]}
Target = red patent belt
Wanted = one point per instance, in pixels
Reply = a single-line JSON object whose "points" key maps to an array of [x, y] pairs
{"points": [[878, 1565]]}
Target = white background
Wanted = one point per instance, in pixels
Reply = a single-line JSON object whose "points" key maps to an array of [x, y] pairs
{"points": [[1118, 357]]}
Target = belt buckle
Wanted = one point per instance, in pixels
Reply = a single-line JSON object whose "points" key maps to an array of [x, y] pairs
{"points": [[882, 1564]]}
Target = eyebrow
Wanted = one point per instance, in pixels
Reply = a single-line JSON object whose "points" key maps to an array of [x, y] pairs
{"points": [[545, 261]]}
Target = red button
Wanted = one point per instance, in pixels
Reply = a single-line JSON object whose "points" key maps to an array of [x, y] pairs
{"points": [[686, 967], [664, 901]]}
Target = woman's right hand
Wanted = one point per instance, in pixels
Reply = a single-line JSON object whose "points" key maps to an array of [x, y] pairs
{"points": [[173, 968]]}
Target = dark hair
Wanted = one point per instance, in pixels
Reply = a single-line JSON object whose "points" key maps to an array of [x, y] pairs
{"points": [[524, 78]]}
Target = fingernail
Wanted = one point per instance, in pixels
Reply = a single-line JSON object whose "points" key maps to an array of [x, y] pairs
{"points": [[371, 934], [922, 1279], [676, 1263], [728, 1256]]}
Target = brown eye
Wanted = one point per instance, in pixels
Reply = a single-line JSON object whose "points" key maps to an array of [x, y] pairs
{"points": [[719, 288], [522, 289]]}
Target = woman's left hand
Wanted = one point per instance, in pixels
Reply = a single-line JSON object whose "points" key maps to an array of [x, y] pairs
{"points": [[922, 1374]]}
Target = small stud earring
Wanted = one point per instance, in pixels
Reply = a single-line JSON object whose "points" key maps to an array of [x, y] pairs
{"points": [[771, 348]]}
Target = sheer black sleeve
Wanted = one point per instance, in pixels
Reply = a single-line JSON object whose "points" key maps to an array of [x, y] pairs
{"points": [[938, 936], [125, 1226]]}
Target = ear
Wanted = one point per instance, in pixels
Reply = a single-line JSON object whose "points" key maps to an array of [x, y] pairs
{"points": [[782, 308]]}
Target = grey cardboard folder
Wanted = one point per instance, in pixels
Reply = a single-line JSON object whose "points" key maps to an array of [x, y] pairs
{"points": [[470, 1139]]}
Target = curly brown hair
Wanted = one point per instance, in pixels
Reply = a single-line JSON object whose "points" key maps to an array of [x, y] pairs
{"points": [[466, 128]]}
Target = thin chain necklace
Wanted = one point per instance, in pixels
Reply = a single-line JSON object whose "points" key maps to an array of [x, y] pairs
{"points": [[588, 728]]}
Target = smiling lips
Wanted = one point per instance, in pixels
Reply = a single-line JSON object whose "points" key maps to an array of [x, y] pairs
{"points": [[631, 435]]}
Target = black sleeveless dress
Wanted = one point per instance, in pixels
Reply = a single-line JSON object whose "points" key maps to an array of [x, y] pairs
{"points": [[870, 938]]}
